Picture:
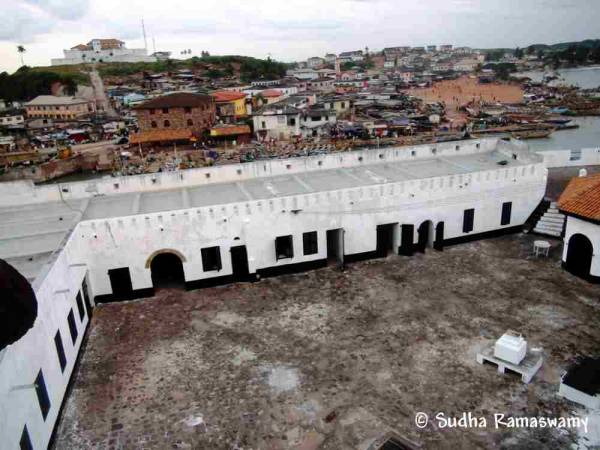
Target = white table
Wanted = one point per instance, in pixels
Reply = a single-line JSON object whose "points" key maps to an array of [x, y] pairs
{"points": [[541, 248]]}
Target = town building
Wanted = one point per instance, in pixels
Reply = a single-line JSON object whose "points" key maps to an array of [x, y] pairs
{"points": [[230, 105], [465, 65], [277, 121], [55, 107], [353, 56], [580, 202], [324, 85], [314, 62], [446, 48], [174, 117], [431, 48], [317, 122], [272, 96], [330, 58], [12, 117], [103, 50]]}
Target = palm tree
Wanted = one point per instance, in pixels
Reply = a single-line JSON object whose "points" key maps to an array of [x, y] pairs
{"points": [[21, 50]]}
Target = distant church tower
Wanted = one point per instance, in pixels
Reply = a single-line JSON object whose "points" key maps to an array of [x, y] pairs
{"points": [[338, 70]]}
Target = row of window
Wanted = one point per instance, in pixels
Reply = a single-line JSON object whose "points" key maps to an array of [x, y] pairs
{"points": [[186, 110], [39, 383], [284, 245], [167, 123], [469, 217]]}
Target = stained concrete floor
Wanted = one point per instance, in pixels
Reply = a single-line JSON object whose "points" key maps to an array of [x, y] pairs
{"points": [[332, 360]]}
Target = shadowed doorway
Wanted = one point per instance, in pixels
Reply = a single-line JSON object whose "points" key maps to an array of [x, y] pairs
{"points": [[167, 271], [579, 256]]}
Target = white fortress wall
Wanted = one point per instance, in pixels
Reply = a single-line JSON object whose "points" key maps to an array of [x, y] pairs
{"points": [[21, 362], [571, 158], [129, 241]]}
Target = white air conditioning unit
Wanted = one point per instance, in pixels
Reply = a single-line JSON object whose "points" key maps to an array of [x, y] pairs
{"points": [[511, 347]]}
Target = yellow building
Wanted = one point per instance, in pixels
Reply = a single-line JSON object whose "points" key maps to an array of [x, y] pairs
{"points": [[230, 105], [54, 107]]}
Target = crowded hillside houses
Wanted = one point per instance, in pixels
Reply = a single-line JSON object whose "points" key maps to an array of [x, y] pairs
{"points": [[331, 103]]}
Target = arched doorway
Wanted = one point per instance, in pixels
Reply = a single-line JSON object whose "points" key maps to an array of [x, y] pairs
{"points": [[425, 232], [579, 256], [167, 271]]}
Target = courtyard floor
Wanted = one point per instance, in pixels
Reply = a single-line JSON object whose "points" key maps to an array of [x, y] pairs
{"points": [[332, 360]]}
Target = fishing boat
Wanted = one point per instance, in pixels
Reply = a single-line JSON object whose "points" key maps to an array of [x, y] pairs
{"points": [[532, 134]]}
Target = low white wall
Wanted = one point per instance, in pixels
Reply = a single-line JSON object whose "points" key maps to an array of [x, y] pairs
{"points": [[21, 362], [24, 192], [571, 158]]}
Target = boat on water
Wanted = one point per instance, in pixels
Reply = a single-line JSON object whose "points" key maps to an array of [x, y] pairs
{"points": [[532, 134]]}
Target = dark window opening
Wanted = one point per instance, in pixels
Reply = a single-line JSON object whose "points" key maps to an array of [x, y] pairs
{"points": [[42, 394], [72, 326], [580, 252], [190, 122], [166, 124], [25, 442], [153, 124], [506, 212], [165, 110], [468, 217], [80, 306], [152, 111], [211, 259], [438, 243], [284, 247], [120, 282], [187, 110], [292, 122], [310, 243], [60, 351]]}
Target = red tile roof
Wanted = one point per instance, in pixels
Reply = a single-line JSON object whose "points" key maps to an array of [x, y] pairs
{"points": [[271, 93], [581, 197], [160, 136], [227, 96]]}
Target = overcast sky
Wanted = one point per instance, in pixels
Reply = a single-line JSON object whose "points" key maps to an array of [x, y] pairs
{"points": [[287, 30]]}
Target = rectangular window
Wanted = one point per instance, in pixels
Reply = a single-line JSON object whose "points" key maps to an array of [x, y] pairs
{"points": [[165, 110], [187, 110], [468, 220], [284, 247], [80, 306], [310, 243], [72, 326], [152, 111], [42, 394], [292, 122], [211, 258], [25, 442], [506, 212], [60, 351], [264, 125]]}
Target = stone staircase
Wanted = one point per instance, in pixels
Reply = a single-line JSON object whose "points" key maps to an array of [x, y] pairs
{"points": [[551, 223]]}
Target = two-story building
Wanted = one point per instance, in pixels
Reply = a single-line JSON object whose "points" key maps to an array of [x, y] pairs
{"points": [[12, 117], [230, 105], [277, 121], [174, 117], [55, 107]]}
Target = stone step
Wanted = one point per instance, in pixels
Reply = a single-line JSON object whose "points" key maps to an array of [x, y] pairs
{"points": [[551, 225], [546, 218], [546, 232], [553, 205], [555, 215], [553, 210], [547, 228]]}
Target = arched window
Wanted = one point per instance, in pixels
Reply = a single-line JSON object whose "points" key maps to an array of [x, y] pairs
{"points": [[167, 124], [190, 122], [153, 124]]}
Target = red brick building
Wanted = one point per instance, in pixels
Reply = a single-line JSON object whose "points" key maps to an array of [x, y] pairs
{"points": [[174, 117]]}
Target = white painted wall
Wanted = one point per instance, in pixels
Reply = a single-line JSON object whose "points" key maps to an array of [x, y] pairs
{"points": [[571, 158], [21, 362], [592, 232]]}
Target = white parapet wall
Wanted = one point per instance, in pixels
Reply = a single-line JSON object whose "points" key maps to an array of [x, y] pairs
{"points": [[571, 158]]}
